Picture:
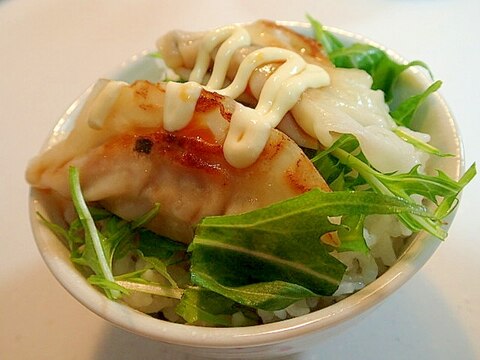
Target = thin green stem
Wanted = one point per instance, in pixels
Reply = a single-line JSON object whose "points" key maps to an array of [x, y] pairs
{"points": [[175, 293], [412, 221], [89, 226]]}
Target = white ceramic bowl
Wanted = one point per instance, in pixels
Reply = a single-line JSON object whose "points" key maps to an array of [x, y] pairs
{"points": [[275, 339]]}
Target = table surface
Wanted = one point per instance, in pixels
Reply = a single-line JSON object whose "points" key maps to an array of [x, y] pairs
{"points": [[52, 50]]}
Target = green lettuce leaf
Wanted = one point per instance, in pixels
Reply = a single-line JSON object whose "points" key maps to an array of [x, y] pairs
{"points": [[276, 250]]}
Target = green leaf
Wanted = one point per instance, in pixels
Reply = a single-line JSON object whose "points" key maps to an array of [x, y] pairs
{"points": [[338, 176], [59, 231], [346, 142], [404, 113], [279, 245], [99, 213], [405, 185], [153, 245], [94, 254], [331, 170], [98, 237], [385, 74], [76, 234], [161, 268], [135, 281], [118, 237], [414, 182], [376, 62], [373, 60], [359, 56], [270, 296], [148, 287], [145, 218], [160, 252], [206, 307], [325, 38], [351, 234], [107, 285], [449, 202], [420, 145]]}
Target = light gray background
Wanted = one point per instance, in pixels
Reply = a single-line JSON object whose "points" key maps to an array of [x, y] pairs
{"points": [[52, 50]]}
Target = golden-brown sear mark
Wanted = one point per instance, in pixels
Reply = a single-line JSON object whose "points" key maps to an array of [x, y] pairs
{"points": [[209, 101]]}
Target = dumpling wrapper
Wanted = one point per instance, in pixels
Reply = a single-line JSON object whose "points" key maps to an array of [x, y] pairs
{"points": [[130, 162], [347, 106]]}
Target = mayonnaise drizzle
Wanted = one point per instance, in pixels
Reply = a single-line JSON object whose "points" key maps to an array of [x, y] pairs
{"points": [[180, 101], [249, 128]]}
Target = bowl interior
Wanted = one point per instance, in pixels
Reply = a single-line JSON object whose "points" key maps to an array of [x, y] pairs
{"points": [[436, 120]]}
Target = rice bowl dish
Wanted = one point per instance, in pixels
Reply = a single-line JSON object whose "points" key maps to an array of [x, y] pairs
{"points": [[357, 260]]}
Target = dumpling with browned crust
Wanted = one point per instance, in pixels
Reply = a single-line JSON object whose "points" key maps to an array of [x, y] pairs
{"points": [[128, 161]]}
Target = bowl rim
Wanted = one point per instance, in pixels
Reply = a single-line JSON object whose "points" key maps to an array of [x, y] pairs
{"points": [[121, 315]]}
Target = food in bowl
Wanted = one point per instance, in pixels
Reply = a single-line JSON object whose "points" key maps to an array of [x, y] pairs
{"points": [[267, 178]]}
